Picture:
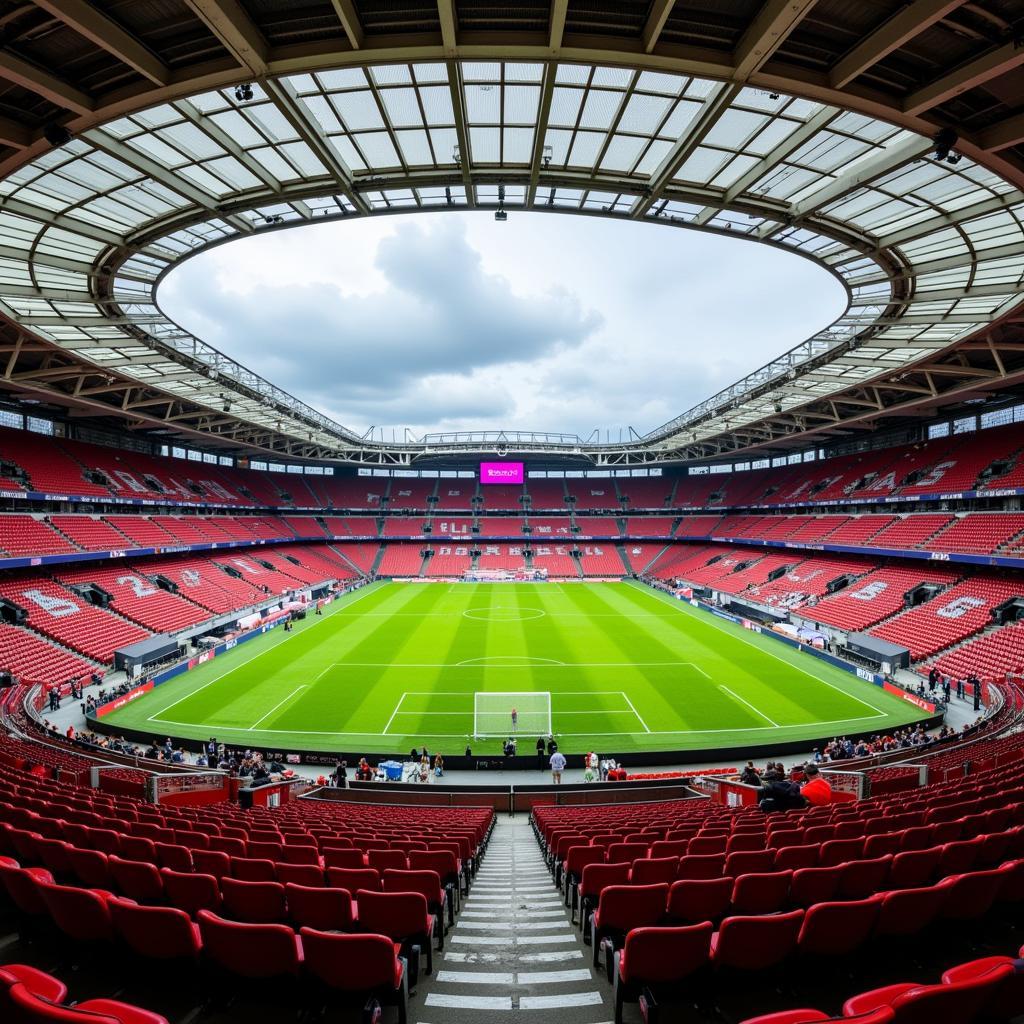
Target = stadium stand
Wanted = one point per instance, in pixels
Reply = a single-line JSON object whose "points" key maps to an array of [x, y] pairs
{"points": [[90, 533], [547, 495], [599, 560], [600, 495], [541, 528], [640, 556], [402, 559], [502, 498], [205, 583], [455, 495], [449, 560], [34, 661], [501, 556], [646, 493], [410, 495], [659, 526], [979, 532], [500, 526], [305, 527], [461, 527], [62, 616], [405, 526], [597, 526], [142, 532], [874, 597], [959, 612], [137, 598], [26, 535]]}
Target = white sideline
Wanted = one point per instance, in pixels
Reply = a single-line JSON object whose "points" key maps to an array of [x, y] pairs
{"points": [[760, 714]]}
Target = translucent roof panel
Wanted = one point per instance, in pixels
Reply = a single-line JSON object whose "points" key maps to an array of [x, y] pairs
{"points": [[865, 198]]}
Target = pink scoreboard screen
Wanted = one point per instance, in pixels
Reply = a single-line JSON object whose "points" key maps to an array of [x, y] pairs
{"points": [[501, 472]]}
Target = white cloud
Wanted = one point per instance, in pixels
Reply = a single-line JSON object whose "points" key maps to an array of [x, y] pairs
{"points": [[452, 321]]}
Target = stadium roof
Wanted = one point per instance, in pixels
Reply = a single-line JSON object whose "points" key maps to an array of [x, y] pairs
{"points": [[806, 124]]}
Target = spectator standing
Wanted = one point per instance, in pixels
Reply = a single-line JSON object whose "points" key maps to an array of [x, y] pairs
{"points": [[557, 763], [540, 753], [816, 790]]}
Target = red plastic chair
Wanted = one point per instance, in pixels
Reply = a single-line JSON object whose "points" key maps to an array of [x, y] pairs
{"points": [[384, 859], [137, 879], [81, 914], [594, 879], [926, 1004], [328, 910], [190, 892], [576, 859], [23, 1007], [648, 871], [250, 950], [1007, 995], [156, 933], [426, 883], [909, 911], [250, 869], [863, 878], [39, 983], [90, 868], [692, 900], [658, 960], [749, 862], [914, 868], [446, 864], [301, 874], [833, 929], [883, 1015], [814, 885], [621, 908], [354, 879], [761, 893], [253, 902], [970, 896], [403, 917], [357, 968], [704, 865], [755, 943]]}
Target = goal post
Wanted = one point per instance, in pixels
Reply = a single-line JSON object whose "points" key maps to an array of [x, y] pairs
{"points": [[492, 713]]}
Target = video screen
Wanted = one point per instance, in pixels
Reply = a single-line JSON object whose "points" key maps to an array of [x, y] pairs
{"points": [[501, 473]]}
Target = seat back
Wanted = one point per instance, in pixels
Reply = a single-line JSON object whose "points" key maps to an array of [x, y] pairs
{"points": [[659, 955], [323, 909], [814, 885], [863, 878], [190, 892], [354, 879], [137, 879], [399, 915], [428, 883], [691, 900], [702, 865], [254, 902], [626, 851], [909, 911], [597, 877], [756, 943], [622, 907], [832, 929], [158, 933], [761, 893], [249, 950], [79, 913], [352, 963], [654, 869], [914, 868], [22, 1007], [384, 859]]}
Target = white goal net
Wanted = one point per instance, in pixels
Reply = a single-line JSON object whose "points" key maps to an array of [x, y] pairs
{"points": [[493, 713]]}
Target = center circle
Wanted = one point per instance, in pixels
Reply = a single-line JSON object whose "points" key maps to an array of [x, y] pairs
{"points": [[503, 613]]}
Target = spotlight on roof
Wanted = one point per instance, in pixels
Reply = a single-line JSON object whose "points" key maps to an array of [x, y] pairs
{"points": [[773, 95], [945, 139], [501, 213], [57, 135], [243, 92], [778, 407]]}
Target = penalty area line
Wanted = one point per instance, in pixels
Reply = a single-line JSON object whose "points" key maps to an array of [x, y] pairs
{"points": [[298, 689], [760, 714], [625, 697], [393, 713]]}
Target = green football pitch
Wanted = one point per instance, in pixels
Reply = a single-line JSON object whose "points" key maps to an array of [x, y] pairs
{"points": [[617, 667]]}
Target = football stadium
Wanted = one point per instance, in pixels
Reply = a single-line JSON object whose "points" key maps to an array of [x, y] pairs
{"points": [[511, 511]]}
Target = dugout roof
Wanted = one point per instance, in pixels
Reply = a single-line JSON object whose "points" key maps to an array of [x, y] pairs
{"points": [[804, 124]]}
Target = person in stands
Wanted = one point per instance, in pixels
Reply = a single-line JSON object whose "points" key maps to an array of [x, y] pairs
{"points": [[816, 790], [557, 767], [749, 775]]}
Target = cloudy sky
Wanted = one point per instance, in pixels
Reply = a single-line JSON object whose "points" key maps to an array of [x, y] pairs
{"points": [[451, 321]]}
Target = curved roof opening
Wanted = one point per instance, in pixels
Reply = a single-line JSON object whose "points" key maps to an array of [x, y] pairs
{"points": [[453, 321]]}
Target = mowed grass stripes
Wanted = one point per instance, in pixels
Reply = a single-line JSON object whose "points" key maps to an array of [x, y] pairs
{"points": [[627, 668]]}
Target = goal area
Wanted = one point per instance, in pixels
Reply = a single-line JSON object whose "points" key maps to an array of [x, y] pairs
{"points": [[492, 713]]}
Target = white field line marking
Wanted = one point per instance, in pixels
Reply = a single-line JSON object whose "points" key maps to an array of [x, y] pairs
{"points": [[631, 708], [257, 654], [711, 622], [595, 711], [697, 668], [395, 712], [298, 689], [462, 664], [760, 714], [563, 735]]}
